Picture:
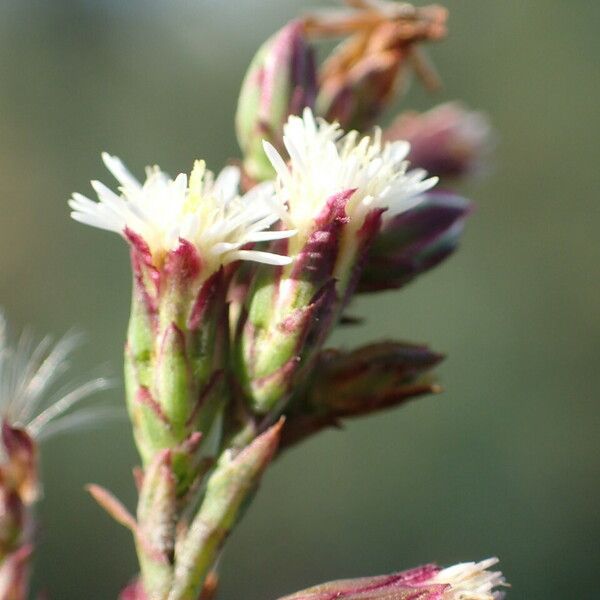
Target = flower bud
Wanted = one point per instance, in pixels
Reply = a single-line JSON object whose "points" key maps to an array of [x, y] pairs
{"points": [[414, 242], [466, 581], [350, 384], [174, 356], [449, 139], [280, 81], [290, 312]]}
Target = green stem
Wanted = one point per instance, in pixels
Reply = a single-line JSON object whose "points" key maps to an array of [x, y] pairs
{"points": [[232, 482]]}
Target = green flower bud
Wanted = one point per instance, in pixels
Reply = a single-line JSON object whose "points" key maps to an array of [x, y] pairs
{"points": [[280, 81], [174, 356]]}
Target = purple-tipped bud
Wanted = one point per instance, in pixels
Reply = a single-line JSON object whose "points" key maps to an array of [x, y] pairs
{"points": [[177, 313], [280, 81], [291, 311], [351, 384], [448, 140], [466, 581], [414, 242]]}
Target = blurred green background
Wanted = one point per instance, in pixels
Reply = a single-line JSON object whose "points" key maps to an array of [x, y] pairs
{"points": [[505, 462]]}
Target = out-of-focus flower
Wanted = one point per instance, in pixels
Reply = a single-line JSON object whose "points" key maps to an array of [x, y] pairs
{"points": [[449, 139], [465, 581], [209, 214], [32, 399], [367, 70], [280, 81], [33, 406]]}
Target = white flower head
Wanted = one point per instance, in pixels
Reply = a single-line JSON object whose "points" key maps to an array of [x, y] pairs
{"points": [[471, 581], [31, 395], [205, 211], [324, 161]]}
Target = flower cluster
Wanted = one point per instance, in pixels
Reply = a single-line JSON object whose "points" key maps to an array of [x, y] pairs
{"points": [[239, 280], [32, 408]]}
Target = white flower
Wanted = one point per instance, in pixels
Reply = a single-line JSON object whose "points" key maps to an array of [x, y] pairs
{"points": [[29, 372], [324, 161], [471, 581], [207, 212]]}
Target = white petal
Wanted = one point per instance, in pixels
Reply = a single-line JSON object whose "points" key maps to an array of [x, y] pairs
{"points": [[96, 221], [262, 257], [223, 247], [227, 183], [120, 171], [277, 162], [266, 236], [117, 204], [399, 150]]}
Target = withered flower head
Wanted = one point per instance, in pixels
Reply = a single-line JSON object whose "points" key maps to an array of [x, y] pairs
{"points": [[369, 67]]}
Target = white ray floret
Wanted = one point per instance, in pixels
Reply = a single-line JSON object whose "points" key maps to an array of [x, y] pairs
{"points": [[323, 162], [206, 211], [30, 372], [472, 581]]}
